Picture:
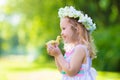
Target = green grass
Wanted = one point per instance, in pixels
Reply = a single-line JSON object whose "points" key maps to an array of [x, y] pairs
{"points": [[20, 69], [108, 75]]}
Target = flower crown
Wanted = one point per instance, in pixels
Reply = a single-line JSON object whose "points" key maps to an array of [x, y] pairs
{"points": [[83, 18]]}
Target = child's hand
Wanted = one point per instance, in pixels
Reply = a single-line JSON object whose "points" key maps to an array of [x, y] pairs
{"points": [[52, 47], [53, 50]]}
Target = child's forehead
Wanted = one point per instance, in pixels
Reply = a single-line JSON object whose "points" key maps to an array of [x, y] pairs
{"points": [[64, 22]]}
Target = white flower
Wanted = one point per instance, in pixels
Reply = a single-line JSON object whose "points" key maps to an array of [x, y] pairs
{"points": [[84, 19]]}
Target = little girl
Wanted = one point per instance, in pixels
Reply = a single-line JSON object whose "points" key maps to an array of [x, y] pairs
{"points": [[76, 29]]}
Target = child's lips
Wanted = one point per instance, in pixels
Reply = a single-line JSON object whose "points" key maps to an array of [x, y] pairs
{"points": [[63, 37]]}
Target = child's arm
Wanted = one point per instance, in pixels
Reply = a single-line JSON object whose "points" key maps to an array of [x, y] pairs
{"points": [[73, 67], [58, 65]]}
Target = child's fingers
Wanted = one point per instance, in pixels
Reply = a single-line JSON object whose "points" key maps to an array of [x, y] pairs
{"points": [[49, 47], [56, 44]]}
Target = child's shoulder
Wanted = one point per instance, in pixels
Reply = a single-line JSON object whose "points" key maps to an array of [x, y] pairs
{"points": [[81, 46], [82, 49]]}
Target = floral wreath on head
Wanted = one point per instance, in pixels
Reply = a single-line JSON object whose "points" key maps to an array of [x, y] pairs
{"points": [[82, 18]]}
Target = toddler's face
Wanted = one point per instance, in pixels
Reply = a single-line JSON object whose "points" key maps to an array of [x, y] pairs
{"points": [[66, 31]]}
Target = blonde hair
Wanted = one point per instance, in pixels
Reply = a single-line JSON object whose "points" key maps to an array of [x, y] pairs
{"points": [[84, 36]]}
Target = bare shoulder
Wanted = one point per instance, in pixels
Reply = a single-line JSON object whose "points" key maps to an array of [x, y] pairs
{"points": [[80, 49]]}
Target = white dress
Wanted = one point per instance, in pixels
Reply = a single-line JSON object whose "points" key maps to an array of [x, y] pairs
{"points": [[86, 71]]}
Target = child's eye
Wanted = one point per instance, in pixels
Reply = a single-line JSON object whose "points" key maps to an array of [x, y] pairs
{"points": [[63, 28]]}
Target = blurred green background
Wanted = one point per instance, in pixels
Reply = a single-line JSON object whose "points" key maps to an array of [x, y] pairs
{"points": [[26, 25]]}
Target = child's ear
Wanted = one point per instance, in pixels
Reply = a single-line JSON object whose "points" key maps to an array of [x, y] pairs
{"points": [[77, 30]]}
